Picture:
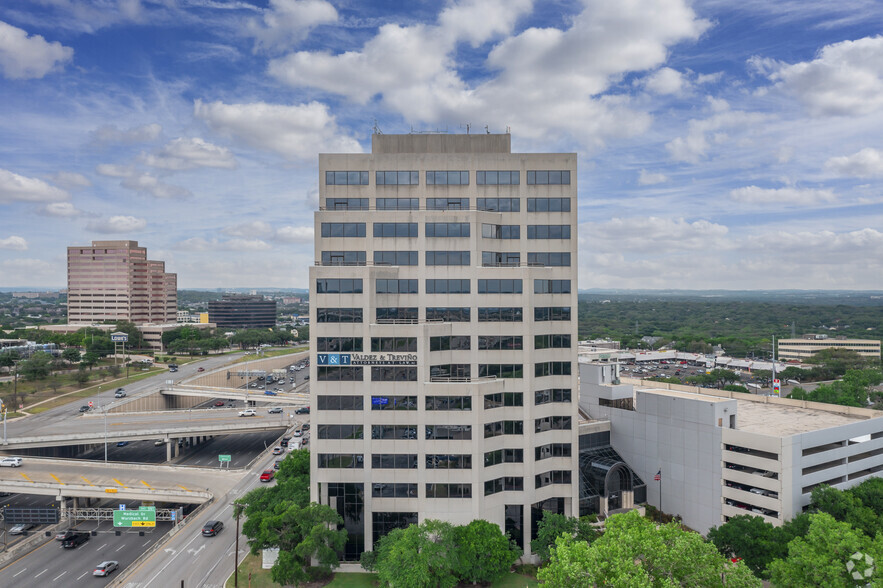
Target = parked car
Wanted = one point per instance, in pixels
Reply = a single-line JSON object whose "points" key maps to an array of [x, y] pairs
{"points": [[19, 529], [267, 475], [105, 568], [248, 412], [275, 410], [11, 462], [277, 450], [302, 410], [212, 528], [75, 541]]}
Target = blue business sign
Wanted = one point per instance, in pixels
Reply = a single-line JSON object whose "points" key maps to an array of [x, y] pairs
{"points": [[333, 358], [382, 400], [336, 359]]}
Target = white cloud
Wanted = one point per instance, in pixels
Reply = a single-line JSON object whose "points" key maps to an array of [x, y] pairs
{"points": [[16, 188], [70, 180], [151, 185], [110, 134], [23, 57], [287, 22], [200, 244], [846, 78], [477, 21], [249, 229], [117, 224], [703, 133], [14, 243], [296, 132], [867, 163], [646, 178], [61, 209], [291, 234], [112, 170], [190, 153], [654, 234], [665, 81], [795, 196]]}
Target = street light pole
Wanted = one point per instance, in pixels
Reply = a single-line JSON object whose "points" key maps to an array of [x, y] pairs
{"points": [[236, 554], [103, 408]]}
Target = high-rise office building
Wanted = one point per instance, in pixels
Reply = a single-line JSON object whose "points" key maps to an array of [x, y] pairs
{"points": [[443, 334], [114, 280]]}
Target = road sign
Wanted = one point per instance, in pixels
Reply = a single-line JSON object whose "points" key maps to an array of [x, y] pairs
{"points": [[110, 490], [777, 386], [90, 404], [37, 516], [134, 518], [142, 507], [122, 507], [223, 457]]}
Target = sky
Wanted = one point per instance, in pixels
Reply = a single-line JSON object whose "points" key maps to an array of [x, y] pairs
{"points": [[722, 145]]}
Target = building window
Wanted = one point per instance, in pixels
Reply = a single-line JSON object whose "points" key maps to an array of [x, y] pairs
{"points": [[500, 370], [500, 258], [399, 490], [339, 286], [326, 402], [325, 373], [498, 178], [548, 204], [393, 373], [500, 342], [393, 403], [338, 315], [449, 491], [346, 203], [447, 204], [348, 499], [499, 286], [448, 314], [449, 432], [394, 461], [442, 461], [398, 204], [346, 178], [551, 313], [551, 286], [497, 314], [450, 370], [447, 257], [447, 178], [393, 344], [448, 403], [505, 484], [492, 458], [553, 477], [503, 428], [498, 204], [384, 522], [552, 368], [552, 395], [395, 229], [549, 259], [489, 231], [551, 342], [397, 178], [447, 230], [501, 399], [352, 461], [552, 450], [339, 431], [338, 344], [393, 431], [343, 229], [552, 423], [548, 177], [396, 315], [447, 287], [395, 258], [395, 286], [343, 258], [548, 231], [449, 343]]}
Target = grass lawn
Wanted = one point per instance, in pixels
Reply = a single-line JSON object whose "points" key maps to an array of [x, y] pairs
{"points": [[260, 578], [513, 580], [342, 580]]}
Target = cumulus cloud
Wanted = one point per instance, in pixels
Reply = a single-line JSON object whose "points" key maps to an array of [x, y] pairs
{"points": [[60, 209], [845, 78], [70, 180], [794, 196], [652, 234], [547, 80], [14, 243], [189, 153], [151, 185], [248, 229], [665, 81], [291, 234], [862, 248], [702, 134], [110, 134], [296, 132], [117, 224], [16, 188], [112, 170], [867, 163], [25, 57], [646, 178], [287, 22]]}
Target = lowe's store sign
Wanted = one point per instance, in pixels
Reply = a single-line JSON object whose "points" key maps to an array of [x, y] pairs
{"points": [[366, 358]]}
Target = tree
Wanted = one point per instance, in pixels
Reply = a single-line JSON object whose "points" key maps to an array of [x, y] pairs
{"points": [[89, 360], [820, 558], [36, 367], [114, 370], [634, 551], [71, 355], [420, 556], [8, 358], [752, 539], [484, 553], [553, 525], [81, 376], [136, 339]]}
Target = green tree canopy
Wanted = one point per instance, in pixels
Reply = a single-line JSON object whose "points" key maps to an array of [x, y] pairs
{"points": [[37, 366], [71, 355], [484, 553], [420, 556]]}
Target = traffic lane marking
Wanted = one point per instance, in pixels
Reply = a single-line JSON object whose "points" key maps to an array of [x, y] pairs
{"points": [[25, 476], [120, 483], [87, 481], [146, 484], [54, 477]]}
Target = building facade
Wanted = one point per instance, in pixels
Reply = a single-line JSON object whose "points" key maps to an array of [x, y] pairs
{"points": [[242, 311], [443, 330], [114, 281], [808, 345]]}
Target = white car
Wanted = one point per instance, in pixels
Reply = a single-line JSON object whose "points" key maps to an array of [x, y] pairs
{"points": [[248, 412], [105, 567], [19, 529], [11, 462]]}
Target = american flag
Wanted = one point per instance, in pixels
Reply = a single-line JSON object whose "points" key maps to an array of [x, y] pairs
{"points": [[658, 476]]}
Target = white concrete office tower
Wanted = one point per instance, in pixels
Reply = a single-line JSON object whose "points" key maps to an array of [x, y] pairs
{"points": [[443, 335]]}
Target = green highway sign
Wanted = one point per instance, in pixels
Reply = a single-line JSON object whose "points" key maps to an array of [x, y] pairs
{"points": [[135, 518], [224, 458]]}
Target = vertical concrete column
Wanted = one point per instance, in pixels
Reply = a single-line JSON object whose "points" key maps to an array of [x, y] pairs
{"points": [[175, 447], [168, 451]]}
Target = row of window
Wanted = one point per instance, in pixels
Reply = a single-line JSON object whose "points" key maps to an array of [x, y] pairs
{"points": [[486, 204], [449, 314], [447, 178], [495, 429], [488, 258], [442, 230], [409, 461], [460, 286], [438, 403]]}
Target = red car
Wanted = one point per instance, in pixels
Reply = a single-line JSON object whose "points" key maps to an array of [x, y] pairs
{"points": [[200, 369], [267, 475], [219, 403]]}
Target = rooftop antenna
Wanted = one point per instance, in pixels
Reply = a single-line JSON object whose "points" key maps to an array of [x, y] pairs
{"points": [[487, 130], [377, 130], [508, 130], [468, 126]]}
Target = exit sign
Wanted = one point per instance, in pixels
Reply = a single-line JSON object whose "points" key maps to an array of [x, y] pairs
{"points": [[134, 518]]}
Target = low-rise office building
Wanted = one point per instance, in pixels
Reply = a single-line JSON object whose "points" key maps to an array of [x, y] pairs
{"points": [[809, 345], [242, 311]]}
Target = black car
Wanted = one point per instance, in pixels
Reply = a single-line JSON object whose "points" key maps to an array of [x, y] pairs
{"points": [[277, 464], [305, 427], [212, 528], [85, 408], [75, 541], [284, 442], [302, 410]]}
